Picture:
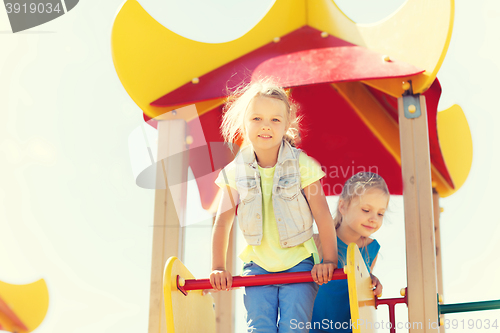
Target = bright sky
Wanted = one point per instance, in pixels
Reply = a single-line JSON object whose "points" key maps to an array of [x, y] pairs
{"points": [[70, 211]]}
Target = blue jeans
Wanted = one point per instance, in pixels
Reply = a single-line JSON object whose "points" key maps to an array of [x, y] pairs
{"points": [[293, 302]]}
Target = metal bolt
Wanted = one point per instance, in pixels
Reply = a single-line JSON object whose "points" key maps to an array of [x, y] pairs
{"points": [[195, 80], [276, 39], [324, 34], [412, 108]]}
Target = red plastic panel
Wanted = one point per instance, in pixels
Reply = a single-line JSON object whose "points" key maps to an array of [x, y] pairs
{"points": [[336, 137], [299, 58], [432, 99]]}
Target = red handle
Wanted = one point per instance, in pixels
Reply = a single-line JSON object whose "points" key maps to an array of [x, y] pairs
{"points": [[258, 280]]}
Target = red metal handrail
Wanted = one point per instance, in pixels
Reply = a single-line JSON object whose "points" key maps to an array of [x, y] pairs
{"points": [[255, 280], [391, 303]]}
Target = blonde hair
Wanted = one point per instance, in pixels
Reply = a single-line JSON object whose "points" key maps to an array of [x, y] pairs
{"points": [[356, 186], [232, 127]]}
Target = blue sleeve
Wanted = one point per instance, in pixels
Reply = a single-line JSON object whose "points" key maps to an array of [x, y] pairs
{"points": [[373, 249]]}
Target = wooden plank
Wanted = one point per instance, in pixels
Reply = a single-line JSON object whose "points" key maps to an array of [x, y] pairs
{"points": [[437, 228], [439, 264], [419, 220], [168, 235]]}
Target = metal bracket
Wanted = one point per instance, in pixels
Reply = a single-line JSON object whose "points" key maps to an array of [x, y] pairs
{"points": [[180, 285], [411, 105]]}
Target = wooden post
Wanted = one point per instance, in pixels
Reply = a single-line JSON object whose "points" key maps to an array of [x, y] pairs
{"points": [[224, 300], [168, 235], [437, 228], [419, 219]]}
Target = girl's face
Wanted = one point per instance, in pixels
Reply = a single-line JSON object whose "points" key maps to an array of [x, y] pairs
{"points": [[365, 213], [265, 123]]}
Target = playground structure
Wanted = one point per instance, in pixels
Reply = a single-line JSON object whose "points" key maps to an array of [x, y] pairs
{"points": [[340, 73], [185, 296]]}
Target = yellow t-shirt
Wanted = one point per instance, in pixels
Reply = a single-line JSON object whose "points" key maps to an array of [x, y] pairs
{"points": [[270, 255]]}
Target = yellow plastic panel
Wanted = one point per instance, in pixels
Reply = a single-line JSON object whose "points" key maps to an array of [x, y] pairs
{"points": [[455, 141], [151, 60], [418, 33], [361, 299], [7, 325], [185, 314], [29, 302]]}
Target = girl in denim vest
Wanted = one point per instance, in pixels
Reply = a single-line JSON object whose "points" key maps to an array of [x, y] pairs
{"points": [[360, 212], [276, 191]]}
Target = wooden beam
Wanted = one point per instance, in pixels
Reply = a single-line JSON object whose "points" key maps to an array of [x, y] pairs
{"points": [[437, 229], [419, 219], [168, 235]]}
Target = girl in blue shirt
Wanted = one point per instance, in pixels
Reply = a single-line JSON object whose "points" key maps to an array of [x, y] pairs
{"points": [[360, 212]]}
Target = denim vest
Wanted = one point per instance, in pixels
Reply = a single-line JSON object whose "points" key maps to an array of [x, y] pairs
{"points": [[291, 210]]}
